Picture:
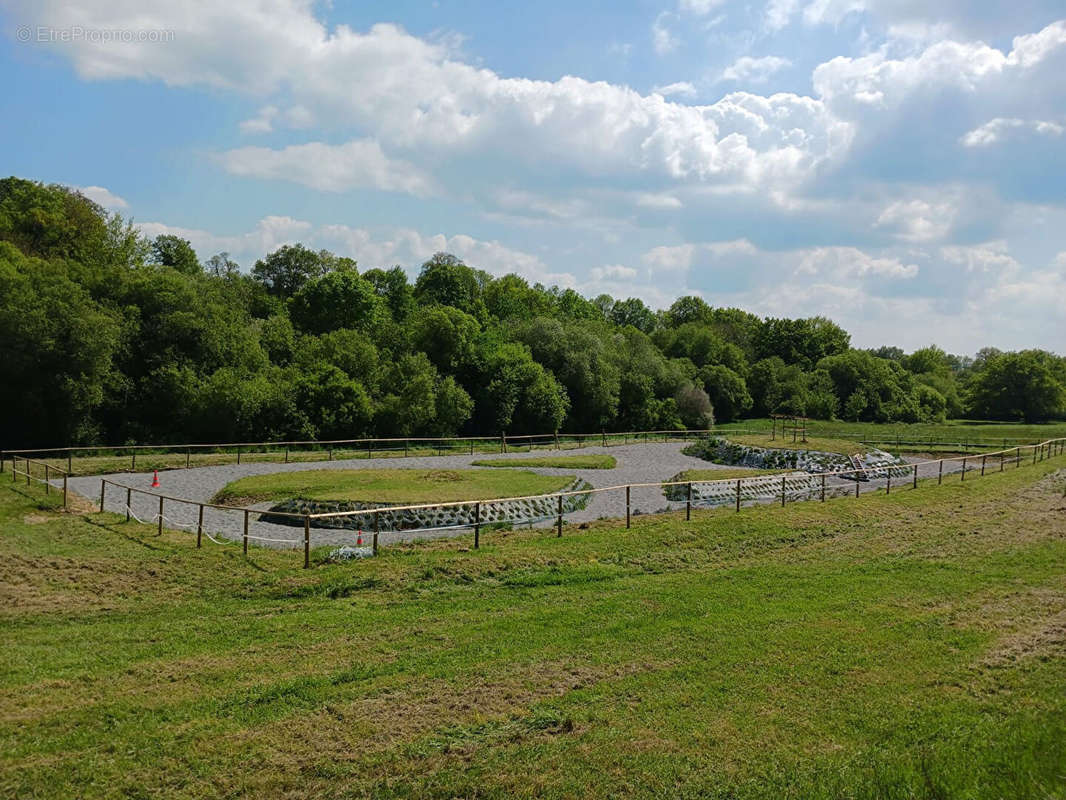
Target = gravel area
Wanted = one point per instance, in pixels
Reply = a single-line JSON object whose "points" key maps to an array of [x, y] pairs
{"points": [[637, 463]]}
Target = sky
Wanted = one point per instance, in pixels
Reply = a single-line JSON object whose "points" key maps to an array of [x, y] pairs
{"points": [[895, 165]]}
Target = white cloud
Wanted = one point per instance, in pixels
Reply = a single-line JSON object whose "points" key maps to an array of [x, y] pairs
{"points": [[997, 129], [754, 70], [989, 257], [616, 272], [660, 200], [917, 220], [850, 262], [333, 168], [684, 88], [699, 7], [663, 39], [103, 197]]}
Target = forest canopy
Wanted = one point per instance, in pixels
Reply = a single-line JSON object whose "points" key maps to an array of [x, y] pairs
{"points": [[110, 337]]}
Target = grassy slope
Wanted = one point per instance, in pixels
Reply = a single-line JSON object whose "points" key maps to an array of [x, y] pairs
{"points": [[392, 485], [562, 462], [722, 474], [901, 646]]}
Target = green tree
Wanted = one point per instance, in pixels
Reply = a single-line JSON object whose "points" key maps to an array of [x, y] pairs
{"points": [[338, 299], [285, 271], [1026, 385], [172, 251]]}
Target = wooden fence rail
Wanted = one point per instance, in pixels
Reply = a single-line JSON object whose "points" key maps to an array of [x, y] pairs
{"points": [[730, 486]]}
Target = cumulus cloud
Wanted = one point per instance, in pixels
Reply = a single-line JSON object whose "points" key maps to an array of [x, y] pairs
{"points": [[754, 70], [663, 39], [332, 168], [103, 197], [684, 88], [999, 128], [917, 220]]}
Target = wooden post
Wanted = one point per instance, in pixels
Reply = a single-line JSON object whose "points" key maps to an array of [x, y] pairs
{"points": [[604, 435], [1001, 461], [103, 485], [1034, 453], [963, 469], [856, 486], [915, 484], [199, 526], [559, 519], [64, 491], [245, 537], [159, 529], [286, 454], [238, 454], [133, 463], [377, 530], [47, 486], [823, 487], [477, 525], [782, 491], [188, 455], [688, 504], [331, 454], [129, 503], [983, 465], [307, 541], [738, 494], [940, 473], [627, 505], [503, 441]]}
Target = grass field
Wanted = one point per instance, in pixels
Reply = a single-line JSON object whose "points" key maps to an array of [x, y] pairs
{"points": [[391, 485], [821, 444], [908, 646], [561, 462], [964, 431]]}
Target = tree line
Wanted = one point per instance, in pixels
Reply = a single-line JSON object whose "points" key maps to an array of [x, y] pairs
{"points": [[111, 337]]}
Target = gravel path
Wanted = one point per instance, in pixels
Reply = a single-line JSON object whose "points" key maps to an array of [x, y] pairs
{"points": [[637, 463]]}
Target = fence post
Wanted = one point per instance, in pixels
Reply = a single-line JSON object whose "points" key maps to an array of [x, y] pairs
{"points": [[503, 441], [286, 454], [377, 530], [627, 505], [29, 469], [782, 491], [245, 537], [14, 477], [940, 473], [159, 530], [69, 470], [604, 435], [738, 494], [307, 541], [1001, 461], [103, 486], [856, 486], [1034, 453], [64, 491], [559, 520], [129, 503], [915, 485], [964, 468], [688, 504], [983, 465], [823, 487], [199, 526], [238, 454], [331, 454], [477, 525], [47, 486], [133, 462], [888, 481]]}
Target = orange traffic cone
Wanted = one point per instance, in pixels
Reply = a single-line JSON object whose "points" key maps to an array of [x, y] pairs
{"points": [[155, 479], [359, 541]]}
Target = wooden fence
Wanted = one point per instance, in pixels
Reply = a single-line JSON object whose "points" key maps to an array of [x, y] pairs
{"points": [[906, 474]]}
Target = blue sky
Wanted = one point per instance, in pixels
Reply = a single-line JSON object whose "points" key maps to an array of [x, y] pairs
{"points": [[895, 168]]}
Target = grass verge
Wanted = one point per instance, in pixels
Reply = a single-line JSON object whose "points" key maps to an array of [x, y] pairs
{"points": [[821, 444]]}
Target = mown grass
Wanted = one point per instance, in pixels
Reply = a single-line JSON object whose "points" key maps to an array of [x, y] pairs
{"points": [[391, 485], [953, 431], [560, 462], [908, 646], [821, 444]]}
